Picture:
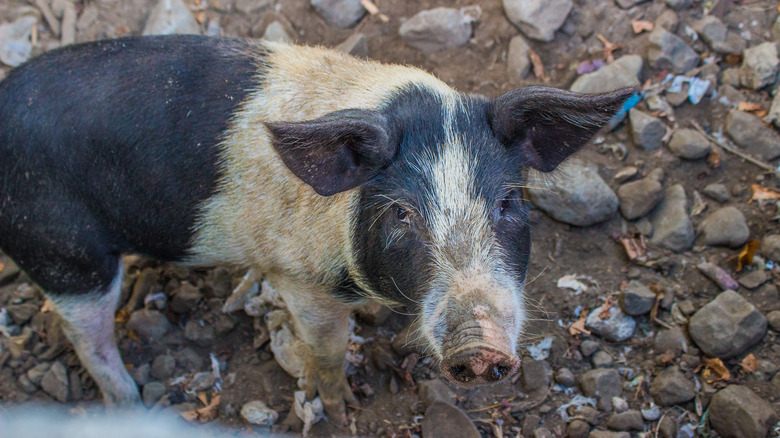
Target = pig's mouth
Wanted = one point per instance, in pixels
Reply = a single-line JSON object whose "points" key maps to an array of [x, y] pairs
{"points": [[478, 365]]}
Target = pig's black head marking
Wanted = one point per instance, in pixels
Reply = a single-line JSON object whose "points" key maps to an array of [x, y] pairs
{"points": [[547, 125], [336, 152]]}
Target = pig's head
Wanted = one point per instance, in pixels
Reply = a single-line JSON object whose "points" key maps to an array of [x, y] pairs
{"points": [[440, 223]]}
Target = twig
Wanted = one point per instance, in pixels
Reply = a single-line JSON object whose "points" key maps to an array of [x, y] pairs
{"points": [[51, 20], [495, 405], [733, 150]]}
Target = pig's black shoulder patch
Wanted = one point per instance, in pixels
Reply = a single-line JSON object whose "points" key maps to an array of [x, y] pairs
{"points": [[112, 146]]}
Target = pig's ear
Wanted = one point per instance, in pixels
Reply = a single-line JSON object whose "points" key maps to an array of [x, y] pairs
{"points": [[336, 152], [547, 125]]}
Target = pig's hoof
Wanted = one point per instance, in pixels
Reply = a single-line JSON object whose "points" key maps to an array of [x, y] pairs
{"points": [[334, 391]]}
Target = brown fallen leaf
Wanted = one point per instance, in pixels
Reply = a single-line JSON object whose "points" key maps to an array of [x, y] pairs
{"points": [[634, 245], [204, 414], [659, 291], [48, 306], [640, 26], [714, 370], [746, 255], [609, 48], [536, 61], [578, 326], [605, 312], [667, 357], [749, 364], [748, 106], [713, 159], [122, 316], [763, 194]]}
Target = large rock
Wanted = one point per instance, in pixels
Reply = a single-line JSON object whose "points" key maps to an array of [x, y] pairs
{"points": [[759, 67], [671, 387], [725, 227], [437, 29], [648, 131], [624, 72], [340, 13], [689, 144], [727, 326], [637, 198], [171, 17], [672, 228], [749, 133], [718, 37], [668, 52], [538, 19], [578, 196], [737, 412]]}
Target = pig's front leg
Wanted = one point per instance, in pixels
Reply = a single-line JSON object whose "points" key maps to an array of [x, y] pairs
{"points": [[322, 322]]}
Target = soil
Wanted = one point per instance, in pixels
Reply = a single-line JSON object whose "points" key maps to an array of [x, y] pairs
{"points": [[394, 408]]}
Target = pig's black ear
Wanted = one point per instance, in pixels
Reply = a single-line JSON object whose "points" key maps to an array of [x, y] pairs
{"points": [[547, 125], [336, 152]]}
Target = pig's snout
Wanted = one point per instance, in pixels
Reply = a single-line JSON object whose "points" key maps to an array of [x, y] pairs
{"points": [[478, 366]]}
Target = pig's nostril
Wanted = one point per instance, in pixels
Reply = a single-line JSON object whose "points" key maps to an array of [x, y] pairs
{"points": [[497, 372], [462, 373]]}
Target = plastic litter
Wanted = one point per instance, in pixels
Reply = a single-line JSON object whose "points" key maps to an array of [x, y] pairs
{"points": [[541, 351]]}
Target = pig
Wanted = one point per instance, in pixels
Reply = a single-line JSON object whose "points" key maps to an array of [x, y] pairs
{"points": [[342, 181]]}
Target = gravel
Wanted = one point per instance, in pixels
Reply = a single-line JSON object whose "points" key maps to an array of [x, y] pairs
{"points": [[727, 326], [689, 144], [152, 392], [760, 66], [171, 17], [162, 367], [340, 13], [672, 226], [431, 391], [770, 247], [718, 192], [636, 298], [750, 133], [538, 19], [725, 227], [624, 72], [150, 325], [718, 37], [668, 52], [648, 131], [637, 198], [616, 327], [443, 420], [671, 387], [535, 375], [603, 384], [56, 382], [518, 62], [628, 420]]}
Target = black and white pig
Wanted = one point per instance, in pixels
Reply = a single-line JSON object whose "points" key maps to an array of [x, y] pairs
{"points": [[341, 180]]}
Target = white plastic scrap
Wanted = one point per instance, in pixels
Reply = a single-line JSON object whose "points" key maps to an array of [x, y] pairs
{"points": [[578, 401], [257, 412], [310, 412], [215, 367], [541, 351], [286, 348], [572, 281], [4, 321], [697, 88], [258, 305]]}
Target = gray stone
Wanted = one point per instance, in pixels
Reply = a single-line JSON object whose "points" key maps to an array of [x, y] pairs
{"points": [[727, 326], [718, 192], [668, 20], [530, 424], [589, 414], [538, 19], [56, 382], [188, 360], [770, 247], [671, 387], [9, 270], [647, 131], [753, 279], [186, 298], [617, 327], [725, 227], [624, 72], [518, 62], [148, 324], [776, 381], [355, 45], [670, 340], [628, 420], [437, 29], [668, 52], [543, 432], [773, 116], [672, 228], [199, 332], [257, 412], [152, 392], [276, 32], [36, 373], [773, 318], [736, 411], [202, 381], [26, 385], [171, 17], [679, 5], [638, 198], [536, 374], [566, 377], [162, 367], [625, 174], [340, 13], [588, 347], [608, 434], [667, 427], [443, 420], [718, 276], [250, 7], [602, 383], [619, 404], [431, 391], [579, 197], [759, 66], [689, 144], [601, 359], [636, 298], [718, 37], [577, 429], [141, 374], [22, 313], [15, 45], [626, 4]]}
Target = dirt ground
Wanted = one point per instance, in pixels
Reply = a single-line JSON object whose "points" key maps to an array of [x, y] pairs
{"points": [[389, 402]]}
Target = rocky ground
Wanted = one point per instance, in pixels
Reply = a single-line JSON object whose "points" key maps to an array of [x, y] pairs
{"points": [[654, 276]]}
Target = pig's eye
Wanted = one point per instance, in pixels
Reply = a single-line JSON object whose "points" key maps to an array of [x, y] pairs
{"points": [[402, 215], [503, 206]]}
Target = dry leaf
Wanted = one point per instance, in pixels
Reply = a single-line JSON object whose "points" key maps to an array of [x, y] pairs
{"points": [[659, 291], [733, 59], [748, 106], [122, 30], [667, 357], [763, 194], [605, 312], [714, 370], [370, 7], [2, 266], [640, 26], [634, 245], [713, 159], [48, 306], [746, 255], [122, 316], [609, 48], [204, 414], [200, 17], [579, 325], [749, 364], [536, 61]]}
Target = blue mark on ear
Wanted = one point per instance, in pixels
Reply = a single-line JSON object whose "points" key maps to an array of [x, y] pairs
{"points": [[627, 105]]}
